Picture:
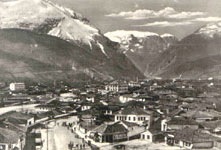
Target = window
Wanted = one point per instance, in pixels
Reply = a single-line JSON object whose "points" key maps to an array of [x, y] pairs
{"points": [[139, 118], [128, 118], [134, 118], [148, 137], [143, 136], [117, 118]]}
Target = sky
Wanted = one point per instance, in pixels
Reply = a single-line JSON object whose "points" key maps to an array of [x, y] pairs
{"points": [[177, 17]]}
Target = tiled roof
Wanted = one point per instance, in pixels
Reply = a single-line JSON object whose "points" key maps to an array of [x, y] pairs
{"points": [[134, 111], [8, 136], [129, 124], [110, 128], [18, 115], [192, 136], [181, 121]]}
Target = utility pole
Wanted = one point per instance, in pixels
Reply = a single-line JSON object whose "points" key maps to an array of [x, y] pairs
{"points": [[47, 135]]}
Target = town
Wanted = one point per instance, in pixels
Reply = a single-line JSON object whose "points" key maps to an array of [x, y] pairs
{"points": [[151, 114]]}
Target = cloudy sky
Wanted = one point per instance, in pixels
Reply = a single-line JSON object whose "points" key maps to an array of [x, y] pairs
{"points": [[178, 17]]}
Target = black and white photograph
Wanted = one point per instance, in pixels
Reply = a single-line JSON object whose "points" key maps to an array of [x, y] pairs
{"points": [[110, 74]]}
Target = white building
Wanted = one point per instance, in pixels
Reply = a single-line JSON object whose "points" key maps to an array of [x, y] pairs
{"points": [[116, 86], [134, 115], [17, 86]]}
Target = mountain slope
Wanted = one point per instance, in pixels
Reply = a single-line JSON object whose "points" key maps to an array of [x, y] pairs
{"points": [[196, 56], [141, 47], [44, 16], [40, 40], [31, 56]]}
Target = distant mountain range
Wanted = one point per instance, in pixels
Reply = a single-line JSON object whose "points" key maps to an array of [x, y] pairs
{"points": [[196, 56], [142, 47], [41, 41]]}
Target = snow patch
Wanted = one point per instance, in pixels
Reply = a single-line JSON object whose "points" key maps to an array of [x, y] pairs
{"points": [[102, 49], [166, 35], [30, 14], [121, 35]]}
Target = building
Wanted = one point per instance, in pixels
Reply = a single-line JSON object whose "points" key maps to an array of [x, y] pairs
{"points": [[135, 115], [18, 118], [192, 139], [117, 86], [134, 130], [113, 132], [10, 139], [126, 98], [178, 123], [17, 86], [152, 136]]}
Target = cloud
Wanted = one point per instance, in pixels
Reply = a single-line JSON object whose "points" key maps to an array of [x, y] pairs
{"points": [[167, 12], [208, 19], [165, 24]]}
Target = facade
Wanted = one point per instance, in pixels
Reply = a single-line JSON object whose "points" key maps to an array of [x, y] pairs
{"points": [[116, 87], [134, 130], [109, 133], [192, 139], [134, 115], [17, 86]]}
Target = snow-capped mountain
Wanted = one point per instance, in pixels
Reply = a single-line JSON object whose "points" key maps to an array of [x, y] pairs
{"points": [[40, 40], [196, 56], [44, 16], [141, 47]]}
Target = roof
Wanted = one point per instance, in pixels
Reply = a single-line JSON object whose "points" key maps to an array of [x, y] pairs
{"points": [[110, 128], [181, 121], [202, 114], [8, 136], [193, 136], [17, 115], [129, 124], [134, 111], [211, 124]]}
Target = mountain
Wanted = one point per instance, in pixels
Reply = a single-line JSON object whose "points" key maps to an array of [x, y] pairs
{"points": [[31, 56], [141, 47], [41, 41], [196, 56], [43, 16]]}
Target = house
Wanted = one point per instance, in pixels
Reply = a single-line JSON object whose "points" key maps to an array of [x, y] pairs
{"points": [[19, 118], [17, 86], [135, 115], [134, 84], [202, 115], [126, 98], [90, 98], [152, 135], [111, 109], [134, 130], [89, 119], [12, 136], [67, 97], [192, 139], [110, 133], [85, 107], [178, 123], [117, 86], [10, 139]]}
